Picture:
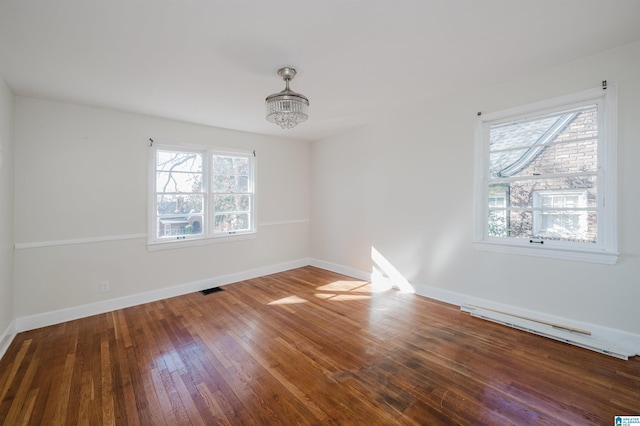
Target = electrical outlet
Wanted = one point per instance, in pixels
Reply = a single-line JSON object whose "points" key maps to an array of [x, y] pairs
{"points": [[104, 286]]}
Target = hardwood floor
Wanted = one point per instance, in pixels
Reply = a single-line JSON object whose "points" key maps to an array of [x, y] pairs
{"points": [[305, 347]]}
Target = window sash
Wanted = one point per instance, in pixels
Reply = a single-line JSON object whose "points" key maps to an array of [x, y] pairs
{"points": [[232, 226]]}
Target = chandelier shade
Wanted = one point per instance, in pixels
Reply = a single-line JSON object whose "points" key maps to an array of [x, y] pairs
{"points": [[287, 108]]}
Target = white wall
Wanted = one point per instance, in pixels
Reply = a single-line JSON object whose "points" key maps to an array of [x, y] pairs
{"points": [[405, 187], [6, 214], [81, 173]]}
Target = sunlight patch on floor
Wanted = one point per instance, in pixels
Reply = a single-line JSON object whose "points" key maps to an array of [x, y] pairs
{"points": [[290, 300], [379, 283], [324, 295], [341, 297], [357, 286], [384, 277]]}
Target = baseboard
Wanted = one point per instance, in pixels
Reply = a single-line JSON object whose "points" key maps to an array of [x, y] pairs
{"points": [[62, 315], [7, 337], [341, 269], [626, 342]]}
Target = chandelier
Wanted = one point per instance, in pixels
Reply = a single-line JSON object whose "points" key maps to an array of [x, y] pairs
{"points": [[287, 108]]}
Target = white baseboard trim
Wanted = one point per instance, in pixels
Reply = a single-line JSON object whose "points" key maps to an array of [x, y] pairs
{"points": [[44, 319], [341, 269], [7, 337], [601, 336]]}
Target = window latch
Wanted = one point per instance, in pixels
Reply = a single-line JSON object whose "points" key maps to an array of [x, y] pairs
{"points": [[536, 242]]}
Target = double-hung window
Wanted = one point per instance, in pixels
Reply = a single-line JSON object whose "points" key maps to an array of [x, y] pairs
{"points": [[199, 194], [546, 178]]}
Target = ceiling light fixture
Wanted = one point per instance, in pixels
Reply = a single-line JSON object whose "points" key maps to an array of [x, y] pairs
{"points": [[287, 108]]}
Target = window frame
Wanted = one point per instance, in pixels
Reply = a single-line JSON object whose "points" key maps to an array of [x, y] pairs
{"points": [[605, 250], [208, 235]]}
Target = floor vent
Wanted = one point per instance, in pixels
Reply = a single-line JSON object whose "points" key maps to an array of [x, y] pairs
{"points": [[211, 290]]}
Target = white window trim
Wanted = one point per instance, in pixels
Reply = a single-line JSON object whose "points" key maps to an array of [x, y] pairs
{"points": [[154, 243], [605, 251]]}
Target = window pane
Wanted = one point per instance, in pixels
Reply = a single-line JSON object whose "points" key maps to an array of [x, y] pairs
{"points": [[178, 182], [230, 165], [179, 226], [521, 193], [500, 162], [232, 203], [498, 195], [231, 222], [514, 224], [498, 223], [179, 215], [179, 161], [564, 142], [520, 224], [556, 225], [179, 204], [519, 134], [570, 157], [230, 183], [559, 126], [565, 225], [584, 125]]}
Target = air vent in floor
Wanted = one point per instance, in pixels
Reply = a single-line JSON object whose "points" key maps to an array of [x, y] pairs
{"points": [[211, 290]]}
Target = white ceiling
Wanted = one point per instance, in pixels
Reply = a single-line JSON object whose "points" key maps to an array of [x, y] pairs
{"points": [[213, 62]]}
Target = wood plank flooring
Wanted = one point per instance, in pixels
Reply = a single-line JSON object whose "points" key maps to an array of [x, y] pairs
{"points": [[305, 347]]}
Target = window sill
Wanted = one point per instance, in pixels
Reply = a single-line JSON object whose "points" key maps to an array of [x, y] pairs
{"points": [[599, 256], [196, 242]]}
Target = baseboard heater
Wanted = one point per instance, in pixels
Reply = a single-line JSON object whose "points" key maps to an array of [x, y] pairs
{"points": [[573, 336]]}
